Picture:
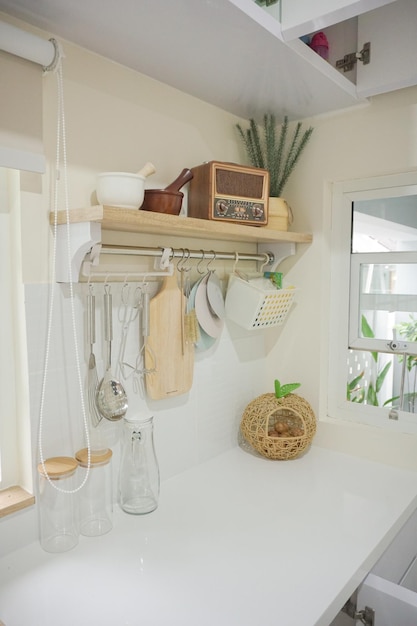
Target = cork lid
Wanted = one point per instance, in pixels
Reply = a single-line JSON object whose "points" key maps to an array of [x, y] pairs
{"points": [[58, 467], [96, 458]]}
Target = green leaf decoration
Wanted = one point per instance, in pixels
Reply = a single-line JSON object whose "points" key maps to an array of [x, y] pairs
{"points": [[277, 388], [283, 390]]}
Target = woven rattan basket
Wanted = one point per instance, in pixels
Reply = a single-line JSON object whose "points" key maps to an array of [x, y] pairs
{"points": [[292, 416]]}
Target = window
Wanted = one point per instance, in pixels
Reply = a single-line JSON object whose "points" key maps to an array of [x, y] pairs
{"points": [[373, 361]]}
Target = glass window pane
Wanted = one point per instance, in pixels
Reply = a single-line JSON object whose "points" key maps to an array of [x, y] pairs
{"points": [[388, 293], [387, 297], [385, 224], [375, 379]]}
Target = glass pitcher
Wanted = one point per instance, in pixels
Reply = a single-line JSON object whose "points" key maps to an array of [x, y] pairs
{"points": [[139, 470]]}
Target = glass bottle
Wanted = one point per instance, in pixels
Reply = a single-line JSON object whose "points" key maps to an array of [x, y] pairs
{"points": [[58, 504], [95, 499], [139, 470]]}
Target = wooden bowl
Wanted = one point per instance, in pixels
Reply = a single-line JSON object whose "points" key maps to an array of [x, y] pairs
{"points": [[162, 201]]}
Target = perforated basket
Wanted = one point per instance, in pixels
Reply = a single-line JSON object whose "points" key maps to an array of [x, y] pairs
{"points": [[252, 307]]}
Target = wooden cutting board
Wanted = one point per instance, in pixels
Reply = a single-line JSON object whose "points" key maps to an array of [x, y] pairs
{"points": [[166, 349]]}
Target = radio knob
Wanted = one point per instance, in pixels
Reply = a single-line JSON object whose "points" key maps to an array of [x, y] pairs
{"points": [[257, 211], [222, 208]]}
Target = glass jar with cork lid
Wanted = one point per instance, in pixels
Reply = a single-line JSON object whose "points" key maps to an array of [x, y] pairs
{"points": [[96, 497], [58, 504]]}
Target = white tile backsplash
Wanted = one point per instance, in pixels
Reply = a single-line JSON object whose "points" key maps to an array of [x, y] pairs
{"points": [[189, 429]]}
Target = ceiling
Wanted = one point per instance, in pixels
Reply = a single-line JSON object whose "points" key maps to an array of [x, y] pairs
{"points": [[226, 52]]}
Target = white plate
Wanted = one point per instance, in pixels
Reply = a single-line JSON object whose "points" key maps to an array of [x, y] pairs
{"points": [[204, 341], [209, 322], [215, 295]]}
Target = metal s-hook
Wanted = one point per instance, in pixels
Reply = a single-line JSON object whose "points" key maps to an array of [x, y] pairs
{"points": [[181, 265], [211, 261], [187, 268], [201, 261], [181, 261]]}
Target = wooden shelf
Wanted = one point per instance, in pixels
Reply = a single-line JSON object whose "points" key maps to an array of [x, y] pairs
{"points": [[133, 221]]}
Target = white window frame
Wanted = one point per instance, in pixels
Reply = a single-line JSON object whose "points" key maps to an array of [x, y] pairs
{"points": [[342, 329]]}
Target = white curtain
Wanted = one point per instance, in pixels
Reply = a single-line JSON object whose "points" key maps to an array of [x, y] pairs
{"points": [[20, 114], [15, 455]]}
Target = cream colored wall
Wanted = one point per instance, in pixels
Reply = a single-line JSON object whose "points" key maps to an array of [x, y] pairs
{"points": [[116, 120], [376, 139]]}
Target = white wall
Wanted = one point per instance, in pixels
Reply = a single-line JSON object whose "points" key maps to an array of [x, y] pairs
{"points": [[371, 140], [116, 120]]}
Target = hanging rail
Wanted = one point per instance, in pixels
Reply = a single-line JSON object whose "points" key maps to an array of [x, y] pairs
{"points": [[91, 267], [179, 253]]}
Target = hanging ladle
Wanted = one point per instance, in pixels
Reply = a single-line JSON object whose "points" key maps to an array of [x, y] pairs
{"points": [[111, 397]]}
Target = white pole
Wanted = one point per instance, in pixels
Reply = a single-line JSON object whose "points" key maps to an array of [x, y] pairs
{"points": [[23, 44]]}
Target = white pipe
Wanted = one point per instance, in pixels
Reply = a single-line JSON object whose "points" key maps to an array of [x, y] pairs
{"points": [[23, 44]]}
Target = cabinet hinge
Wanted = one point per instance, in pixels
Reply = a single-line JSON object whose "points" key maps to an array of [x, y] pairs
{"points": [[348, 62], [366, 616]]}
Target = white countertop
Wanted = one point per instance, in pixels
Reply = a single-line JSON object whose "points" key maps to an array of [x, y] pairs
{"points": [[236, 541]]}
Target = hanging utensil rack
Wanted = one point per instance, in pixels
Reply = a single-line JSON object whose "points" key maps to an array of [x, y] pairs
{"points": [[86, 226], [90, 267]]}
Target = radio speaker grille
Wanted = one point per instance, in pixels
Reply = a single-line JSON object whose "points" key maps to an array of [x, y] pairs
{"points": [[239, 184]]}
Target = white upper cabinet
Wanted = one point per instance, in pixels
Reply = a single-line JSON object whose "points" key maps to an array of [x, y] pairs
{"points": [[236, 55], [299, 17], [389, 29], [392, 31]]}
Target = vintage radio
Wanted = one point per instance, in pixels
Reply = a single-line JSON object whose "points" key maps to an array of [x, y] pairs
{"points": [[229, 193]]}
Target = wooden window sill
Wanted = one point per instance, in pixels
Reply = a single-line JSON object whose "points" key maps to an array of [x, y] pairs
{"points": [[14, 499]]}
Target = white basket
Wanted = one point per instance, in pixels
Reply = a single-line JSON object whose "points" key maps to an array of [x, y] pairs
{"points": [[253, 307]]}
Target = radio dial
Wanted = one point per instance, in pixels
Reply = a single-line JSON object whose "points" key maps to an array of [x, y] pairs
{"points": [[222, 208], [257, 210]]}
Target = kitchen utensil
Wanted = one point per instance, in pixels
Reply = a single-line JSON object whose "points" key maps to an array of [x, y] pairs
{"points": [[111, 397], [128, 313], [215, 295], [183, 178], [168, 200], [191, 328], [122, 189], [92, 377], [208, 321], [203, 341], [147, 170], [173, 373]]}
